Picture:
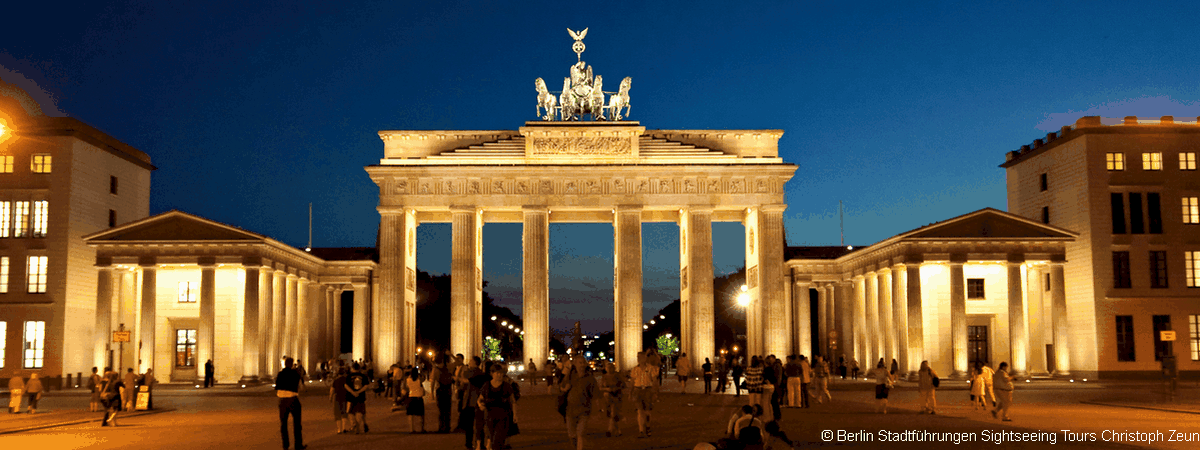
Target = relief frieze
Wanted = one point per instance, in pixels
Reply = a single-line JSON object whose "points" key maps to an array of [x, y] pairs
{"points": [[582, 145]]}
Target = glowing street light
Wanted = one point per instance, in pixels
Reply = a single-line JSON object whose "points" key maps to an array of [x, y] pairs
{"points": [[743, 299], [493, 317], [660, 316]]}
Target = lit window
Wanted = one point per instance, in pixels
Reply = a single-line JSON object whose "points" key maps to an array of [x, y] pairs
{"points": [[1115, 161], [35, 344], [4, 341], [1187, 161], [1193, 324], [187, 291], [5, 219], [185, 348], [3, 276], [21, 219], [37, 275], [1191, 268], [975, 288], [1191, 210], [1151, 161], [6, 164], [41, 163], [41, 211]]}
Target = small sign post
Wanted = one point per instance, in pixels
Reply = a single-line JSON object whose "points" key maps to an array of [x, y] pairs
{"points": [[121, 337]]}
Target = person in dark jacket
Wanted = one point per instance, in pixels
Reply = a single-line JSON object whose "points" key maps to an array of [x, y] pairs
{"points": [[287, 389], [208, 374]]}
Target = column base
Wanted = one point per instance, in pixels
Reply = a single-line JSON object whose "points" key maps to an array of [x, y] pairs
{"points": [[959, 375], [249, 380]]}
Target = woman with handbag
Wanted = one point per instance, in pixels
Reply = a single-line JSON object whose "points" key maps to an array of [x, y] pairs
{"points": [[883, 384], [926, 378]]}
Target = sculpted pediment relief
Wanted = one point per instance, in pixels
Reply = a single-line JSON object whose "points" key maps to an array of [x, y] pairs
{"points": [[586, 186]]}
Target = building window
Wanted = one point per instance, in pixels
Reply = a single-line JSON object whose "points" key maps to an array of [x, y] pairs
{"points": [[1154, 212], [4, 341], [1158, 269], [21, 219], [1045, 214], [1046, 283], [37, 275], [1121, 270], [187, 291], [112, 218], [1151, 161], [1115, 161], [41, 163], [41, 219], [1191, 210], [975, 288], [1137, 224], [5, 219], [1045, 185], [1191, 268], [112, 185], [6, 164], [1125, 349], [1187, 161], [1161, 347], [185, 348], [35, 344], [1193, 324], [1118, 212], [3, 276]]}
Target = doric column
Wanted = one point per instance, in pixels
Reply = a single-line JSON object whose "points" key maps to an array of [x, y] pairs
{"points": [[149, 313], [303, 319], [900, 317], [822, 344], [696, 288], [916, 319], [770, 262], [278, 321], [328, 345], [1035, 287], [958, 316], [803, 317], [1058, 299], [250, 320], [831, 311], [886, 315], [535, 281], [874, 329], [1018, 336], [316, 330], [466, 281], [845, 309], [206, 339], [104, 299], [359, 337], [266, 294], [396, 337], [859, 303], [289, 345], [627, 249]]}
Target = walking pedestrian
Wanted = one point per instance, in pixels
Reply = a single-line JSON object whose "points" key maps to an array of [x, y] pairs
{"points": [[738, 370], [754, 381], [793, 373], [497, 398], [772, 386], [551, 376], [532, 370], [722, 372], [93, 385], [613, 385], [644, 378], [287, 389], [209, 381], [853, 368], [821, 376], [337, 396], [130, 383], [34, 389], [925, 383], [110, 396], [465, 406], [580, 387], [977, 389], [415, 391], [883, 384], [357, 384], [441, 382], [707, 369], [683, 369], [1004, 391], [16, 392], [989, 391], [806, 379]]}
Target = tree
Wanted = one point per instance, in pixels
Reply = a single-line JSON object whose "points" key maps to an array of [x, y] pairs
{"points": [[491, 349], [668, 344]]}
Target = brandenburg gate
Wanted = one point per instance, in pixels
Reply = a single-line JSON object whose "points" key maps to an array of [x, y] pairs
{"points": [[564, 168]]}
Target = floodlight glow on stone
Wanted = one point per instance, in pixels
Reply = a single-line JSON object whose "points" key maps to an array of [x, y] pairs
{"points": [[743, 299]]}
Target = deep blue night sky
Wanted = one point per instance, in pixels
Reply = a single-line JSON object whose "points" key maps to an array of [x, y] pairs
{"points": [[903, 112]]}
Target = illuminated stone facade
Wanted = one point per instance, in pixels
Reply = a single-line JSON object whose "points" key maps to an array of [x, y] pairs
{"points": [[1128, 188], [608, 172]]}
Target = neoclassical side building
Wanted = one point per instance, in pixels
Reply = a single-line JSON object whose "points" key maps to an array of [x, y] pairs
{"points": [[985, 286]]}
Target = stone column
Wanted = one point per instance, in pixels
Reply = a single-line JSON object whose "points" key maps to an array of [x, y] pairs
{"points": [[303, 319], [874, 329], [916, 319], [359, 344], [250, 317], [627, 249], [104, 299], [958, 316], [695, 279], [1035, 287], [266, 284], [831, 312], [408, 315], [845, 308], [288, 346], [1018, 336], [328, 345], [900, 318], [1058, 299], [206, 339], [149, 313], [466, 279], [859, 304], [803, 316], [770, 261], [822, 344], [278, 321], [535, 282], [886, 316]]}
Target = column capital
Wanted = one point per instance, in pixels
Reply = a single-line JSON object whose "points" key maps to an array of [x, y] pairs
{"points": [[1016, 258], [252, 261], [958, 258], [535, 209], [899, 267], [778, 207], [463, 209], [1058, 259], [392, 210], [147, 262], [628, 208], [883, 270], [206, 262], [698, 209]]}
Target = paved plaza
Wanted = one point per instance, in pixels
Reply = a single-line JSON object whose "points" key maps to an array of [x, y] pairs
{"points": [[231, 417]]}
